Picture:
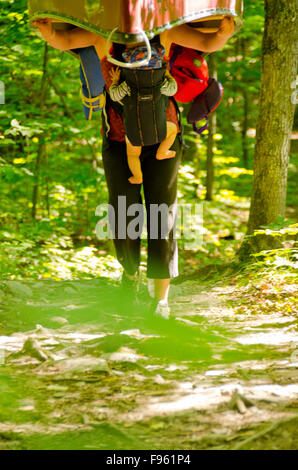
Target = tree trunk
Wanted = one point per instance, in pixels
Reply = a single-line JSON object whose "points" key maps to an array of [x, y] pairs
{"points": [[212, 132], [245, 95], [41, 145], [275, 121], [244, 129], [47, 184]]}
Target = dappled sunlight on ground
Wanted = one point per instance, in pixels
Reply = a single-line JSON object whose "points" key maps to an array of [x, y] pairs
{"points": [[76, 362]]}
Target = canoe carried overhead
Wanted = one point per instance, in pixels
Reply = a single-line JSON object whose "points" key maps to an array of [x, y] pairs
{"points": [[131, 17]]}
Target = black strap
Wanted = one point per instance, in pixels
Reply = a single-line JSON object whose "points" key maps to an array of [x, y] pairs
{"points": [[177, 51], [181, 136], [118, 50]]}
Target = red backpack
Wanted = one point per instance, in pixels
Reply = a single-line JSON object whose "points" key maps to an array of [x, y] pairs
{"points": [[190, 71]]}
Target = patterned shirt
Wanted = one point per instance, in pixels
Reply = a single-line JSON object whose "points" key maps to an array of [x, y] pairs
{"points": [[135, 54]]}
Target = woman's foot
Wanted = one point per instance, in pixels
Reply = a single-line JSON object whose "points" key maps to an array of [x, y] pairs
{"points": [[167, 154], [161, 308], [136, 179], [129, 280], [129, 287]]}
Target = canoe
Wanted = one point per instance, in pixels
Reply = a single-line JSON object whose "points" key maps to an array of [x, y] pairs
{"points": [[132, 16]]}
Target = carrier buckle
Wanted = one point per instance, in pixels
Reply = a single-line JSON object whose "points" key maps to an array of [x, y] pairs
{"points": [[145, 97]]}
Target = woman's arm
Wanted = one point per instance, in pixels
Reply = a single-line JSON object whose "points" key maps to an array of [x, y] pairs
{"points": [[186, 36], [65, 40]]}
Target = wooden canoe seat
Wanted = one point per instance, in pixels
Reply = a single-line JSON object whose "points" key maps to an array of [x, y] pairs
{"points": [[210, 24]]}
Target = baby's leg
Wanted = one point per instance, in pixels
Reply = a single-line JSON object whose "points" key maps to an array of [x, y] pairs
{"points": [[163, 151], [133, 158]]}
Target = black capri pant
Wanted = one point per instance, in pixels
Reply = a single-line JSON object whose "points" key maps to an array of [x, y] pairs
{"points": [[160, 188]]}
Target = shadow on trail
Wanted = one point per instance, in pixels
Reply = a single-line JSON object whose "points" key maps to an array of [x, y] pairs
{"points": [[96, 306]]}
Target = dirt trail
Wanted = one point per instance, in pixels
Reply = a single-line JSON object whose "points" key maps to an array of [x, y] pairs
{"points": [[79, 370]]}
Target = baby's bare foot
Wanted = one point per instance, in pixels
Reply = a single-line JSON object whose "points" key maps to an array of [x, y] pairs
{"points": [[168, 154], [136, 179]]}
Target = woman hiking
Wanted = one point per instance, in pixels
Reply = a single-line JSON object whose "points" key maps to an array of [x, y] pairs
{"points": [[159, 176]]}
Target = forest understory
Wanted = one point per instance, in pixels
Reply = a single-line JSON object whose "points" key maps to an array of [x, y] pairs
{"points": [[80, 368]]}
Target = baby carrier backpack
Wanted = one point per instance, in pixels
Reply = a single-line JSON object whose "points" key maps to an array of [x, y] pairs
{"points": [[144, 111]]}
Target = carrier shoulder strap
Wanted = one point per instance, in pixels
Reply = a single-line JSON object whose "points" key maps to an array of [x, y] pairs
{"points": [[92, 81]]}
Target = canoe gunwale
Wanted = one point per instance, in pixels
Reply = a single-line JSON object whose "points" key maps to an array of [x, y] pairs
{"points": [[123, 37]]}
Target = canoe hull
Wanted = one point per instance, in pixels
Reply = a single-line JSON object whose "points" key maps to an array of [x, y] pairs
{"points": [[131, 16]]}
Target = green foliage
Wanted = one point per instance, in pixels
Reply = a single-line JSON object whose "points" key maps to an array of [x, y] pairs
{"points": [[270, 280], [281, 260], [54, 148], [51, 172]]}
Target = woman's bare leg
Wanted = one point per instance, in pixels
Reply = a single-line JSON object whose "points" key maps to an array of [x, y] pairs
{"points": [[161, 290], [133, 158], [163, 151]]}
